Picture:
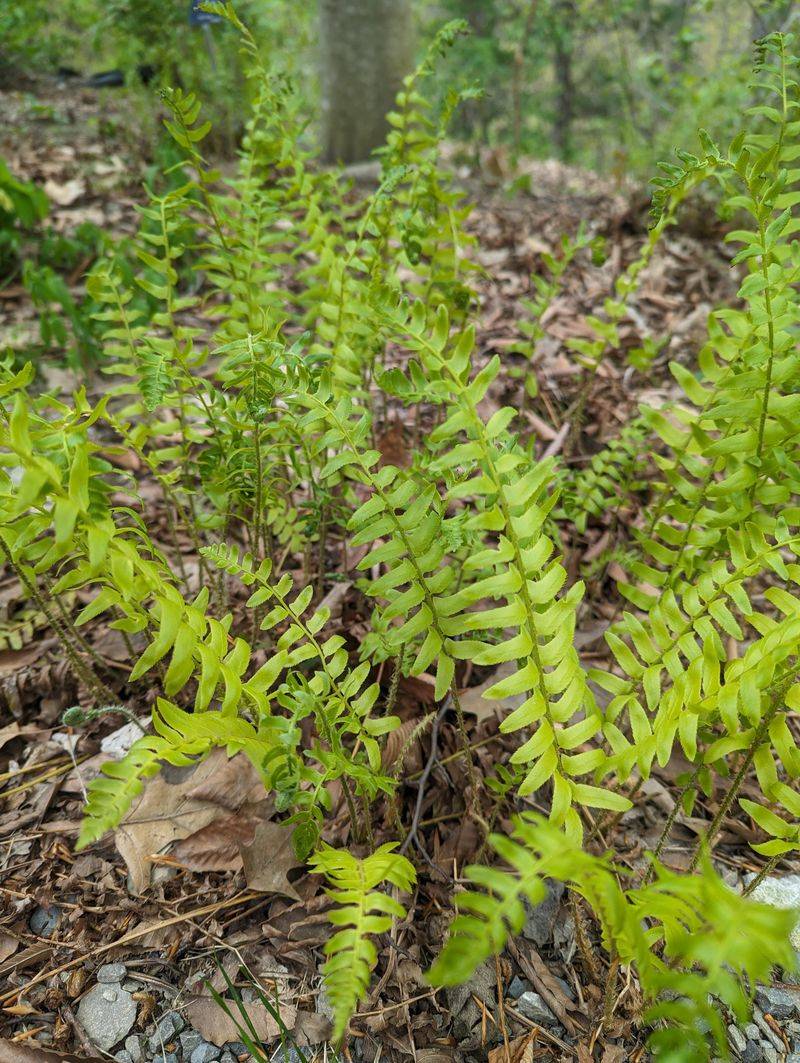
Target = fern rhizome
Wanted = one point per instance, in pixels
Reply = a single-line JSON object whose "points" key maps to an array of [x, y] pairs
{"points": [[254, 401]]}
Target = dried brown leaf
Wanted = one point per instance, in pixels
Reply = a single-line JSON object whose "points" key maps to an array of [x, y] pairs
{"points": [[211, 1022], [519, 1050], [216, 846], [167, 811], [269, 858]]}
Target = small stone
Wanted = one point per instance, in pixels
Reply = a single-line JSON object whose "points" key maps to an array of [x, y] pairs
{"points": [[780, 1003], [226, 1057], [752, 1052], [236, 1048], [793, 976], [567, 988], [752, 1032], [190, 1039], [111, 972], [770, 1055], [133, 1046], [518, 987], [737, 1038], [205, 1053], [534, 1008], [781, 891], [44, 921], [165, 1057], [107, 1014], [541, 918], [167, 1030], [123, 1056], [285, 1054]]}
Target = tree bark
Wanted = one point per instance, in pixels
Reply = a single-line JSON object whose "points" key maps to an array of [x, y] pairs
{"points": [[366, 51], [567, 14]]}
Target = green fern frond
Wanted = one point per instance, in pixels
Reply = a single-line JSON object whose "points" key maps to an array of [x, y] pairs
{"points": [[690, 937], [361, 912]]}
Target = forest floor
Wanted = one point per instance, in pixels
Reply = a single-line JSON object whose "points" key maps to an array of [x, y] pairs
{"points": [[199, 879]]}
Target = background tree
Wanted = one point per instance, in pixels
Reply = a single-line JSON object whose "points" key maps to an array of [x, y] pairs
{"points": [[366, 49]]}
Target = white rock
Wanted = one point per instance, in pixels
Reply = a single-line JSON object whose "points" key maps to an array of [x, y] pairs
{"points": [[781, 891]]}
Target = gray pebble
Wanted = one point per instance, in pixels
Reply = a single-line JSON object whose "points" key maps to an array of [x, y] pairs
{"points": [[167, 1030], [517, 987], [205, 1053], [236, 1048], [780, 1003], [752, 1032], [770, 1055], [111, 972], [44, 920], [190, 1039], [737, 1038], [134, 1047], [166, 1057], [286, 1054], [752, 1053], [226, 1057], [568, 990], [123, 1056], [107, 1013], [540, 918], [534, 1008]]}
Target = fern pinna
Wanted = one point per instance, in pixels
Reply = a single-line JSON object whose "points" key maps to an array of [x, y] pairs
{"points": [[259, 433]]}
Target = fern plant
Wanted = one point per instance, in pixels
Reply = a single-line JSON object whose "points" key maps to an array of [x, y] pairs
{"points": [[259, 430]]}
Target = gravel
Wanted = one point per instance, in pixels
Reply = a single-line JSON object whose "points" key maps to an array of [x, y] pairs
{"points": [[134, 1046], [44, 920], [780, 1003], [737, 1038], [534, 1008], [169, 1026], [540, 919], [205, 1053], [111, 972], [190, 1039], [107, 1014], [517, 987]]}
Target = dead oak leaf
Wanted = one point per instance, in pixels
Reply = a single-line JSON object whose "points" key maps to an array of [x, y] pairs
{"points": [[168, 811], [215, 1025], [269, 858]]}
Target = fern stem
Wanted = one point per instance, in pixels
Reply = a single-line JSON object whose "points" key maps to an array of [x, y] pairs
{"points": [[84, 672], [765, 871], [762, 422], [670, 823], [731, 793]]}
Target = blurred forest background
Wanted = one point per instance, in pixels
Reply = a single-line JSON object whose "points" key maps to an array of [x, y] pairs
{"points": [[611, 85]]}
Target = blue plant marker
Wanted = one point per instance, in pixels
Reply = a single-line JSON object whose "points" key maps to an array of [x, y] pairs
{"points": [[201, 18]]}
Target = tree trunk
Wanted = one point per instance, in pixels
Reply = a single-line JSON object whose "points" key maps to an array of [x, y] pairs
{"points": [[366, 51], [565, 85]]}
